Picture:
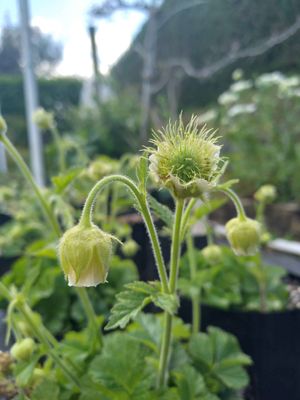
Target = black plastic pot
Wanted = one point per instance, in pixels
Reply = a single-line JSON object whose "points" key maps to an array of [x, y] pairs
{"points": [[2, 331], [144, 258], [272, 340]]}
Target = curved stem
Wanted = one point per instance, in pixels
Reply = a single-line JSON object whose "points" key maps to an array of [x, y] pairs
{"points": [[237, 203], [27, 174], [45, 208], [85, 301], [196, 297], [86, 218], [174, 265]]}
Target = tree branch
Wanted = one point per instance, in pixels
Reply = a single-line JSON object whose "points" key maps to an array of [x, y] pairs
{"points": [[234, 55], [108, 7]]}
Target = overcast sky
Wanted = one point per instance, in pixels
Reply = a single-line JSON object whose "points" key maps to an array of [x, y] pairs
{"points": [[67, 21]]}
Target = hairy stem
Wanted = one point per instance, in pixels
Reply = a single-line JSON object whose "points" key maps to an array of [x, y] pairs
{"points": [[85, 301], [86, 218], [196, 309], [49, 215], [174, 265], [237, 203], [28, 176]]}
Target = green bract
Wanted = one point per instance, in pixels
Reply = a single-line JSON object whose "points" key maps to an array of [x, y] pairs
{"points": [[85, 254], [185, 159], [243, 236]]}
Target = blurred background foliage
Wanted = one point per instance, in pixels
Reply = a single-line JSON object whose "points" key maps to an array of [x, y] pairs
{"points": [[191, 38]]}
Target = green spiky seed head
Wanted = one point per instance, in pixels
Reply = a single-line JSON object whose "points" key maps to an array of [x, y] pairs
{"points": [[130, 247], [22, 350], [43, 119], [212, 254], [84, 254], [185, 159], [266, 194], [3, 126], [244, 236]]}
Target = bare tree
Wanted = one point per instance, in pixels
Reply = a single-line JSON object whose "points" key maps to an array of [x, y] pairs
{"points": [[234, 54]]}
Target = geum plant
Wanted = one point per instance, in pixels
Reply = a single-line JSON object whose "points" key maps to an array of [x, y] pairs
{"points": [[222, 279], [154, 359]]}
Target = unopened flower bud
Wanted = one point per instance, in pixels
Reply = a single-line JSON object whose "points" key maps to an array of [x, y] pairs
{"points": [[266, 194], [84, 254], [130, 247], [43, 119], [3, 126], [243, 236], [22, 350], [212, 254]]}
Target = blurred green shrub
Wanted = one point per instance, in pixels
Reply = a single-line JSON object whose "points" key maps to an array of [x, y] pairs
{"points": [[57, 94], [111, 129], [259, 122]]}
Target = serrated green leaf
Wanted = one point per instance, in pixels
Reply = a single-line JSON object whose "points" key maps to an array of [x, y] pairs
{"points": [[167, 302], [144, 287], [136, 296], [126, 308], [161, 211], [208, 207], [46, 390], [190, 383], [122, 369], [217, 355], [61, 182]]}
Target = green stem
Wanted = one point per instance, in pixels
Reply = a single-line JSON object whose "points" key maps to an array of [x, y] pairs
{"points": [[196, 310], [86, 218], [186, 216], [50, 350], [174, 265], [38, 333], [43, 204], [27, 174], [237, 203], [58, 143], [90, 313]]}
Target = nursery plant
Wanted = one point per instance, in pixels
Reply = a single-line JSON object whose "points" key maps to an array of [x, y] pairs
{"points": [[260, 117], [227, 280], [152, 356]]}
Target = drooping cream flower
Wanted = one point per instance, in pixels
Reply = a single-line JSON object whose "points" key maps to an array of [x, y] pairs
{"points": [[186, 159], [84, 254]]}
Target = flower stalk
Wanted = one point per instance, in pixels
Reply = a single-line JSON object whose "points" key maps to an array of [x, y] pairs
{"points": [[49, 215], [196, 306], [86, 218], [174, 266]]}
